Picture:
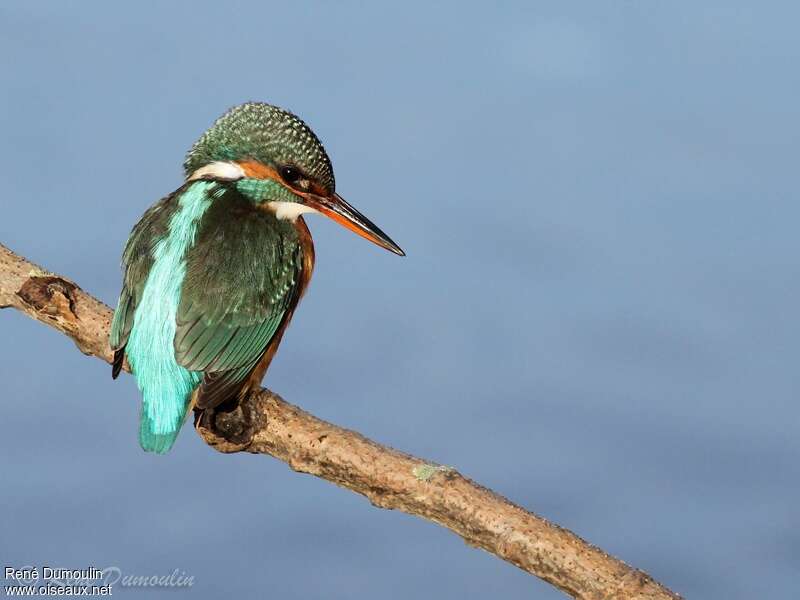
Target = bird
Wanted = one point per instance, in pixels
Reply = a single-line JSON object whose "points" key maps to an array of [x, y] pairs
{"points": [[213, 272]]}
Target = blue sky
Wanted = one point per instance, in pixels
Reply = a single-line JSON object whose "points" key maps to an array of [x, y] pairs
{"points": [[596, 316]]}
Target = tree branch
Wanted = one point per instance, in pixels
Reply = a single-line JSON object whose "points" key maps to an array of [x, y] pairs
{"points": [[265, 424]]}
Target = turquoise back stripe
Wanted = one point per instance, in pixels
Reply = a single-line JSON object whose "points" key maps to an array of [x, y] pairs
{"points": [[166, 386]]}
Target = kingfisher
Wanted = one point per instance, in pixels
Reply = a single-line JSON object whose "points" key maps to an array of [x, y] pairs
{"points": [[213, 272]]}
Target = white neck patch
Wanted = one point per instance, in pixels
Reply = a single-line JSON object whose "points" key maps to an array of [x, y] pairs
{"points": [[289, 211], [218, 170]]}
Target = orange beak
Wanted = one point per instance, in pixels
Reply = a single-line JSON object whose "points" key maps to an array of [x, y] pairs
{"points": [[335, 207]]}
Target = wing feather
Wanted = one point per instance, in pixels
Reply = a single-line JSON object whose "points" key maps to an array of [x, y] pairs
{"points": [[137, 260], [242, 279]]}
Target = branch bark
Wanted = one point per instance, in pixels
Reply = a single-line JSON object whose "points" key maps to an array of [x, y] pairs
{"points": [[265, 424]]}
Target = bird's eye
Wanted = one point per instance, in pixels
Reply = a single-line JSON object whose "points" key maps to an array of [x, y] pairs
{"points": [[290, 174]]}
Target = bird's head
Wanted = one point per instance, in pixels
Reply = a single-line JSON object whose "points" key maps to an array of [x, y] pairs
{"points": [[277, 161]]}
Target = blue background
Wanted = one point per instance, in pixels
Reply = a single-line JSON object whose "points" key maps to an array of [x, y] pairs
{"points": [[596, 317]]}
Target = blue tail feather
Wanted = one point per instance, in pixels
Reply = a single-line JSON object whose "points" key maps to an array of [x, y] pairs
{"points": [[149, 440], [161, 420]]}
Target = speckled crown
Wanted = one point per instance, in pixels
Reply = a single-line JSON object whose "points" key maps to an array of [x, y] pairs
{"points": [[265, 133]]}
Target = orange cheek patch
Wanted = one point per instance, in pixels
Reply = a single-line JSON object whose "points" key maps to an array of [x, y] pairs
{"points": [[257, 170]]}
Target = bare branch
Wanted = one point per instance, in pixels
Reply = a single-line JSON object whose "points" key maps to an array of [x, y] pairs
{"points": [[266, 424]]}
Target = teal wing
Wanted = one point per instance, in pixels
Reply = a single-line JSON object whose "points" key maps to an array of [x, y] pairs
{"points": [[242, 281], [137, 259]]}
